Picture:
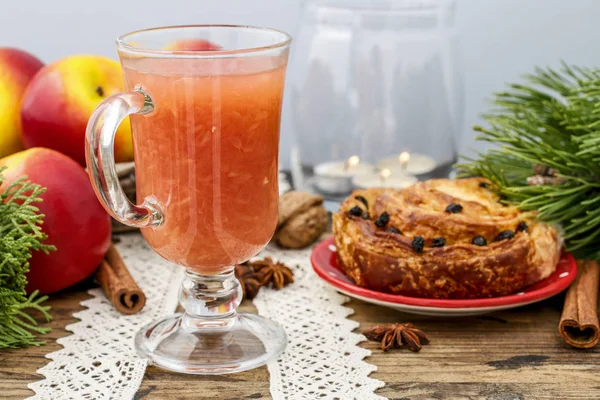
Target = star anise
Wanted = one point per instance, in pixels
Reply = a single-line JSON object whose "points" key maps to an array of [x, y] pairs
{"points": [[397, 335], [275, 274], [249, 281]]}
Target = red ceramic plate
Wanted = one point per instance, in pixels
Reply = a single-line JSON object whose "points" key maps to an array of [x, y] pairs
{"points": [[324, 262]]}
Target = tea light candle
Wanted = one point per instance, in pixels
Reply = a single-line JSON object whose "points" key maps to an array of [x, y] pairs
{"points": [[335, 177], [384, 179], [414, 164]]}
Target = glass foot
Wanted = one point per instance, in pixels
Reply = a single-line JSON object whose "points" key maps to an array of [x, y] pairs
{"points": [[186, 344]]}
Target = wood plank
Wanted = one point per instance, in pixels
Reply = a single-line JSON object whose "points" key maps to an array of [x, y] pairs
{"points": [[515, 354]]}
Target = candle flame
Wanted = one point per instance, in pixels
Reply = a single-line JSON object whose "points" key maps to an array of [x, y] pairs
{"points": [[384, 174], [352, 161], [404, 158]]}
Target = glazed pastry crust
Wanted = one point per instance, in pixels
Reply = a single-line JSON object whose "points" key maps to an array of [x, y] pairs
{"points": [[387, 262]]}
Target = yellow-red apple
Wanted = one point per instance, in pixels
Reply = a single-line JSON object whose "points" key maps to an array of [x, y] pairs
{"points": [[74, 220], [17, 67], [60, 99]]}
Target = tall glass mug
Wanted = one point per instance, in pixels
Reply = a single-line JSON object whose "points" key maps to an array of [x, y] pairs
{"points": [[204, 104]]}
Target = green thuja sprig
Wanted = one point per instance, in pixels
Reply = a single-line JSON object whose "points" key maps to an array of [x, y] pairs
{"points": [[20, 234]]}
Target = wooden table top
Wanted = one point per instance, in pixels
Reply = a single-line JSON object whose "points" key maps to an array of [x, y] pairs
{"points": [[509, 355]]}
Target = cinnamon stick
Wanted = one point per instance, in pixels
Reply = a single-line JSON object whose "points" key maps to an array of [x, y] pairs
{"points": [[118, 284], [579, 321], [125, 169]]}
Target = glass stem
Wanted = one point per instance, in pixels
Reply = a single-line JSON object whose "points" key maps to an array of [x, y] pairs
{"points": [[210, 298]]}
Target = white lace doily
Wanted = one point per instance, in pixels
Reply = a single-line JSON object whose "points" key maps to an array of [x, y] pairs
{"points": [[322, 359], [98, 360]]}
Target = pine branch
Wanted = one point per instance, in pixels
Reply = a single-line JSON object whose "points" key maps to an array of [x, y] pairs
{"points": [[553, 119], [20, 234]]}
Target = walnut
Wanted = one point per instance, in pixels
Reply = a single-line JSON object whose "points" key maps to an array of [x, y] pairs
{"points": [[302, 219]]}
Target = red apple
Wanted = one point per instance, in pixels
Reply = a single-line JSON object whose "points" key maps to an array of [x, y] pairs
{"points": [[193, 45], [60, 99], [17, 67], [74, 221]]}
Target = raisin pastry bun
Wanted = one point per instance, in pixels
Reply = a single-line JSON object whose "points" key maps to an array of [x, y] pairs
{"points": [[442, 239]]}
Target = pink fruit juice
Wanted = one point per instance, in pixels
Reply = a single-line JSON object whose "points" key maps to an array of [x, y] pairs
{"points": [[209, 155]]}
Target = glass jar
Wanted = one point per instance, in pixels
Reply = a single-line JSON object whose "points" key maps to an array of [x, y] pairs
{"points": [[375, 81]]}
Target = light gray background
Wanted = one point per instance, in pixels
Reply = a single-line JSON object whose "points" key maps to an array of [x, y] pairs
{"points": [[500, 39]]}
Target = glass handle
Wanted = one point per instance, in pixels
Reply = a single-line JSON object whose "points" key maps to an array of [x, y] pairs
{"points": [[100, 158]]}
